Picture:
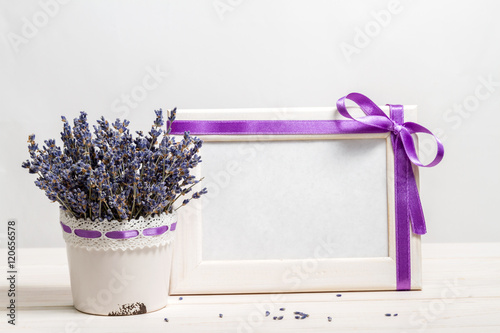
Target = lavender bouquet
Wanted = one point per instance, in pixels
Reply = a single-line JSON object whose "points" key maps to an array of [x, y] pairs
{"points": [[111, 175]]}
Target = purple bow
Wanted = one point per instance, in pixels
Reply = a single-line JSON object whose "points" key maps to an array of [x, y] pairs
{"points": [[408, 205], [375, 117]]}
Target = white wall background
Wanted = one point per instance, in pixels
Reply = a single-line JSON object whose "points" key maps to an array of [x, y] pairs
{"points": [[60, 57]]}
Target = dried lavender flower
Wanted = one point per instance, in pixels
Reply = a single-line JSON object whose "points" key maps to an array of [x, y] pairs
{"points": [[110, 175]]}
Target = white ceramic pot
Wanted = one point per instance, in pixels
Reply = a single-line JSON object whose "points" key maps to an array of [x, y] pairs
{"points": [[119, 268]]}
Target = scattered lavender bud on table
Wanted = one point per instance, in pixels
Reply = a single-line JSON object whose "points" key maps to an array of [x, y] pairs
{"points": [[282, 309], [274, 318], [280, 317], [395, 315], [267, 313], [166, 319], [387, 314], [329, 318], [339, 295], [300, 315], [180, 298], [221, 315]]}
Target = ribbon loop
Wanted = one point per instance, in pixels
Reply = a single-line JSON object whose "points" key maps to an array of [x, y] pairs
{"points": [[409, 145]]}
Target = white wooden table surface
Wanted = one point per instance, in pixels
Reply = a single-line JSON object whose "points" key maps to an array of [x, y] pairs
{"points": [[461, 294]]}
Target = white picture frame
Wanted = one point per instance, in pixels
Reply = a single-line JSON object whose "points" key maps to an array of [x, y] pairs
{"points": [[192, 274]]}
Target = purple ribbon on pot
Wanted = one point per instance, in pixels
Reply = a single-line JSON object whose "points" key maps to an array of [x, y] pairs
{"points": [[119, 234], [408, 205]]}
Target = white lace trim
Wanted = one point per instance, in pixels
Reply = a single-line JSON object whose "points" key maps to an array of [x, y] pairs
{"points": [[105, 243]]}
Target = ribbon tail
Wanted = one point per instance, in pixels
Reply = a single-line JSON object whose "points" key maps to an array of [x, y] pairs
{"points": [[415, 206], [402, 169]]}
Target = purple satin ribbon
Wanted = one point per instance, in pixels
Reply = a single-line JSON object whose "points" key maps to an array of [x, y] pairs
{"points": [[272, 127], [119, 234], [87, 233], [65, 228], [155, 231], [122, 234], [408, 206]]}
